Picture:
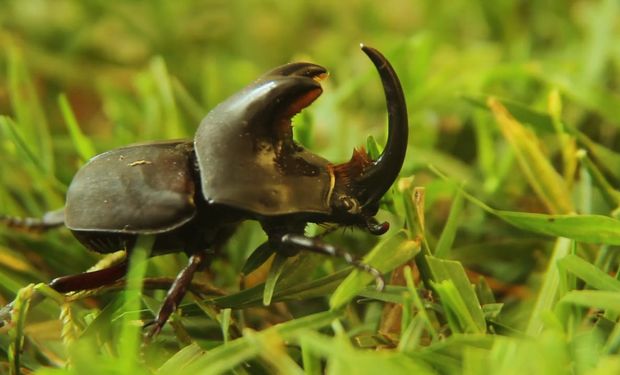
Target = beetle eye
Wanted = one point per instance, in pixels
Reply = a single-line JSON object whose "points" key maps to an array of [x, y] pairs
{"points": [[351, 205]]}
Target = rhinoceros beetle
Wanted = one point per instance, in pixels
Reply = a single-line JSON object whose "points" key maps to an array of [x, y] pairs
{"points": [[243, 164]]}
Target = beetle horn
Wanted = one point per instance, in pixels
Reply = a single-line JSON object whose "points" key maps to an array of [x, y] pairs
{"points": [[381, 174]]}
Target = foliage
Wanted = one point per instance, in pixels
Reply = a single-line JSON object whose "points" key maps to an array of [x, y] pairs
{"points": [[502, 257]]}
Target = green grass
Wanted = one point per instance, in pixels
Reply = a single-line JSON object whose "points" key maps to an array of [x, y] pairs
{"points": [[502, 256]]}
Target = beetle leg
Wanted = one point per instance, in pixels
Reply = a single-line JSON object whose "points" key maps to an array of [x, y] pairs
{"points": [[89, 280], [50, 220], [176, 292], [317, 246]]}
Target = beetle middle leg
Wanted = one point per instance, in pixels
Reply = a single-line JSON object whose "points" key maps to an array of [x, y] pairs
{"points": [[317, 246], [177, 292]]}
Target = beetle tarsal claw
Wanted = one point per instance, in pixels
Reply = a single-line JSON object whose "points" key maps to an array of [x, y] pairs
{"points": [[317, 246], [380, 282]]}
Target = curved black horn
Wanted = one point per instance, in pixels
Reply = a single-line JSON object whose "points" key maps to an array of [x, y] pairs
{"points": [[380, 175]]}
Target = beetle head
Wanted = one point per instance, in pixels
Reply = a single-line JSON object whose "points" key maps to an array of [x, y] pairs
{"points": [[360, 183]]}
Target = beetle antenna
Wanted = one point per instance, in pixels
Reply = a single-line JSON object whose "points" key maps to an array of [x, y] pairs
{"points": [[315, 245]]}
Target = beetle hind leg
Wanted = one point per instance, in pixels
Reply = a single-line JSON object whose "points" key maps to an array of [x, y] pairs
{"points": [[176, 292], [317, 246], [89, 280], [50, 220]]}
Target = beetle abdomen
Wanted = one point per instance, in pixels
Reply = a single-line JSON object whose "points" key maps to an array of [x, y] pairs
{"points": [[137, 189], [104, 243]]}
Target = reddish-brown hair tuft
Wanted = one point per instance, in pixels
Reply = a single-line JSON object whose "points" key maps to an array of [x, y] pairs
{"points": [[354, 167]]}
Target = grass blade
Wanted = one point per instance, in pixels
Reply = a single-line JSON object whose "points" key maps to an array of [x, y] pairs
{"points": [[82, 144], [131, 332], [386, 256], [226, 357], [272, 277], [461, 300], [18, 316], [546, 182], [29, 111], [444, 245], [599, 299], [587, 272], [547, 296], [595, 229]]}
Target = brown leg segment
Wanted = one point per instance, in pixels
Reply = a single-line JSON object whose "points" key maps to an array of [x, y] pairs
{"points": [[76, 283], [89, 280], [177, 292]]}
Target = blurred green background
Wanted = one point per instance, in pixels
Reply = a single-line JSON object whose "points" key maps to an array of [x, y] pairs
{"points": [[81, 77], [111, 59]]}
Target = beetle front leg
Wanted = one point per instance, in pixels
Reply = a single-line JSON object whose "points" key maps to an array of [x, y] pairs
{"points": [[317, 246], [176, 292]]}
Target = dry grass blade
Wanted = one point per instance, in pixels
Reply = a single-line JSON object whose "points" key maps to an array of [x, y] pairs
{"points": [[542, 177]]}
